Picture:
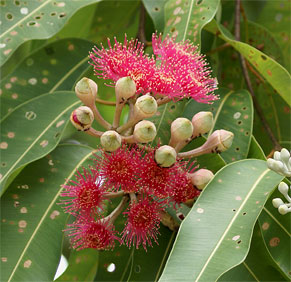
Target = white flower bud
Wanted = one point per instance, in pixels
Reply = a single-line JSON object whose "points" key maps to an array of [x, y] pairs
{"points": [[124, 89], [82, 118], [110, 140], [181, 129], [145, 106], [201, 177], [86, 90], [144, 131], [165, 156], [270, 163], [277, 202], [202, 123], [283, 209], [283, 188], [285, 155], [277, 156]]}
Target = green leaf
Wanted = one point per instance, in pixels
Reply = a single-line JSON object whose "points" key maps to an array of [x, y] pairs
{"points": [[33, 20], [34, 129], [163, 119], [233, 112], [255, 151], [115, 19], [135, 265], [156, 10], [82, 266], [185, 19], [207, 245], [273, 72], [250, 269], [32, 221], [276, 232], [54, 67]]}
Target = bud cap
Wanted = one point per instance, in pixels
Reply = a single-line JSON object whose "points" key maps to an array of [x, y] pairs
{"points": [[110, 141], [82, 118], [201, 177], [277, 202], [283, 209], [181, 129], [165, 156], [283, 188], [124, 89], [145, 106], [144, 131], [202, 123], [86, 90]]}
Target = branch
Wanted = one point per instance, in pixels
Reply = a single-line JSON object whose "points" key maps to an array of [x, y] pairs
{"points": [[141, 27], [249, 84]]}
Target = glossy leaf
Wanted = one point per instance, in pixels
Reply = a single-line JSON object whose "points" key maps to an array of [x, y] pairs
{"points": [[258, 265], [32, 221], [54, 67], [156, 10], [23, 21], [273, 72], [82, 266], [207, 245], [255, 151], [185, 19], [233, 112], [34, 129]]}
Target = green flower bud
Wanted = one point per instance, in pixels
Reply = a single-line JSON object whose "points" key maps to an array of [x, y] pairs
{"points": [[110, 140], [181, 129], [82, 118], [202, 123], [283, 209], [124, 89], [86, 90], [145, 106], [144, 131], [277, 202], [201, 177], [165, 156], [219, 140]]}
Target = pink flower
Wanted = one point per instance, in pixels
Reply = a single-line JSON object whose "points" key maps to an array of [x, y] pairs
{"points": [[127, 59], [191, 71], [120, 169], [87, 233], [142, 223], [85, 195]]}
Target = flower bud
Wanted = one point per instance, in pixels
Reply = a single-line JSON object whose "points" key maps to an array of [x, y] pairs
{"points": [[86, 90], [277, 202], [165, 156], [283, 188], [144, 131], [110, 141], [219, 140], [285, 155], [202, 123], [270, 163], [283, 209], [145, 106], [181, 129], [124, 89], [200, 178], [82, 118], [277, 156]]}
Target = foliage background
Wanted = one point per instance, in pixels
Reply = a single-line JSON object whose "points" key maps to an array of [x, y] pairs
{"points": [[44, 48]]}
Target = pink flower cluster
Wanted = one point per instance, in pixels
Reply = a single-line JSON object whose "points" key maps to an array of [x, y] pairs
{"points": [[133, 175], [177, 70]]}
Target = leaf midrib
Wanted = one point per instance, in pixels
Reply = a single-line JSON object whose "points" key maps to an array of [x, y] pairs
{"points": [[36, 140], [44, 216], [231, 223]]}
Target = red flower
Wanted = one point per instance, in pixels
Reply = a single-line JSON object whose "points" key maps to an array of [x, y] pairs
{"points": [[154, 179], [85, 195], [120, 169], [187, 66], [87, 233], [142, 223], [127, 59]]}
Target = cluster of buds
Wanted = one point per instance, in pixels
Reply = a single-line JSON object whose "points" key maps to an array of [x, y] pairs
{"points": [[278, 203], [281, 163], [146, 179]]}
